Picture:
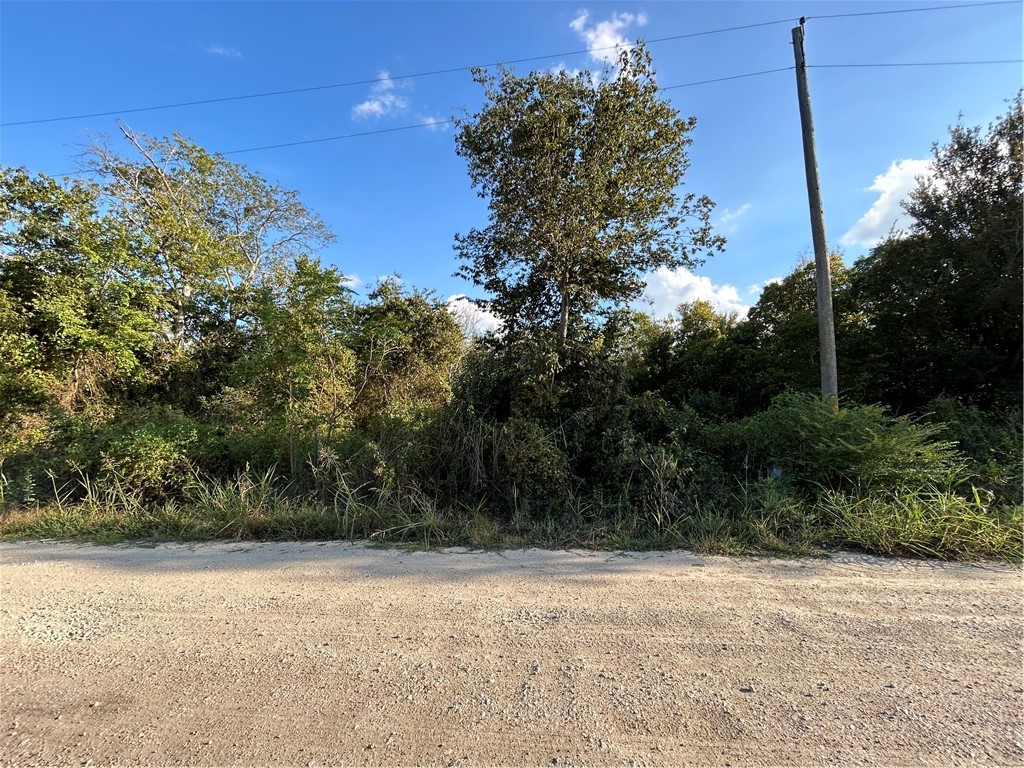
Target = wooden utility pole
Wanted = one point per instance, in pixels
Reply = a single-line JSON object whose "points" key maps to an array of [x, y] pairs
{"points": [[822, 270]]}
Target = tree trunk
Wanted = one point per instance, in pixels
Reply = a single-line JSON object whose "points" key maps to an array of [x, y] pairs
{"points": [[563, 322]]}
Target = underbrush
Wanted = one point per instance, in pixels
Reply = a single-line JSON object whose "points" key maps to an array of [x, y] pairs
{"points": [[252, 506], [635, 472], [765, 517], [929, 522]]}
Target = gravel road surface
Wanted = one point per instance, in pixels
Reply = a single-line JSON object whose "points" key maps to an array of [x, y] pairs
{"points": [[339, 654]]}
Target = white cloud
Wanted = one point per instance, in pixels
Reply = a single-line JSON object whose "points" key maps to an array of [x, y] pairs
{"points": [[223, 50], [729, 215], [729, 218], [474, 320], [755, 289], [351, 281], [604, 39], [383, 99], [434, 123], [885, 213], [668, 288]]}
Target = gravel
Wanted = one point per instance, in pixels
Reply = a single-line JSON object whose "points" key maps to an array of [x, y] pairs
{"points": [[340, 654]]}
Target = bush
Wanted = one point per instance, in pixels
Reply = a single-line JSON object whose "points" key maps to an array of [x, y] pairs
{"points": [[990, 442], [606, 441], [530, 470], [154, 455], [808, 440]]}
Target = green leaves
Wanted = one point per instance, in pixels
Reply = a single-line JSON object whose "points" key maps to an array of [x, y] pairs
{"points": [[408, 345], [581, 173], [76, 312], [944, 304], [812, 443], [206, 230]]}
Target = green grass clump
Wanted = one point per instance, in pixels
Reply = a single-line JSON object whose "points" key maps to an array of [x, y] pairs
{"points": [[252, 506], [926, 522]]}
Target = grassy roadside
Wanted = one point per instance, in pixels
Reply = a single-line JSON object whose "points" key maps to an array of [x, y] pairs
{"points": [[766, 517]]}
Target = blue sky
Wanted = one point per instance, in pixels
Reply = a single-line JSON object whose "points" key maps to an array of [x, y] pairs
{"points": [[396, 200]]}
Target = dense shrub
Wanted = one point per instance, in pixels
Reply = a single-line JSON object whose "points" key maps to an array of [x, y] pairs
{"points": [[989, 442], [812, 442], [153, 452]]}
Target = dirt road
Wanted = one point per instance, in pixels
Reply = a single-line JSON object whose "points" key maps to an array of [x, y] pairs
{"points": [[299, 654]]}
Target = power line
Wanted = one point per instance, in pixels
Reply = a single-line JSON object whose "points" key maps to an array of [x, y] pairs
{"points": [[351, 83], [451, 70], [218, 100], [437, 123], [723, 79], [431, 124], [912, 10], [918, 64]]}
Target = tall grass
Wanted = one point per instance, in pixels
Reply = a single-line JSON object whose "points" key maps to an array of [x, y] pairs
{"points": [[767, 516], [86, 509], [252, 506], [926, 522]]}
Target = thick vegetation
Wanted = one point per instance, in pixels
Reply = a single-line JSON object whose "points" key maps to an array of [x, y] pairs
{"points": [[175, 361]]}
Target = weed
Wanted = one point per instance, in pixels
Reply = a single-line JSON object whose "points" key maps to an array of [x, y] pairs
{"points": [[928, 522]]}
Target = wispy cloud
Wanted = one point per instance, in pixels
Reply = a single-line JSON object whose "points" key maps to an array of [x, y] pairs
{"points": [[473, 320], [604, 39], [434, 123], [730, 218], [668, 288], [885, 214], [383, 100], [225, 51]]}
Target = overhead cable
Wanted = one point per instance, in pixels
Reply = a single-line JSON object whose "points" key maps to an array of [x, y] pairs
{"points": [[451, 70], [917, 64], [912, 10], [372, 81], [437, 123]]}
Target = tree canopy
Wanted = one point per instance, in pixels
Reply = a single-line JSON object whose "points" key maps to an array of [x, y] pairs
{"points": [[582, 175], [943, 304], [205, 229]]}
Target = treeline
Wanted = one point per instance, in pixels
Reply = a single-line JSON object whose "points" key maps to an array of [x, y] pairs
{"points": [[173, 319], [175, 361]]}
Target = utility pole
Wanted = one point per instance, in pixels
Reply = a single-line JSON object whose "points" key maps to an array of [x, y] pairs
{"points": [[822, 270]]}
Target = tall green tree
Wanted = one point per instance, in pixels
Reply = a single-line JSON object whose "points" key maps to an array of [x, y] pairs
{"points": [[208, 231], [944, 303], [76, 319], [582, 175]]}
